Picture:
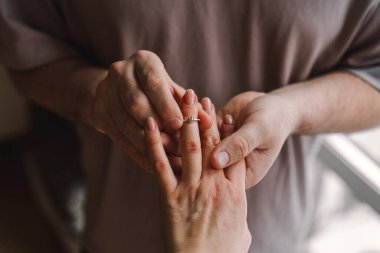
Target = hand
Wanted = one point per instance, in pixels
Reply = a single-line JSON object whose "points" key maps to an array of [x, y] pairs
{"points": [[236, 105], [133, 90], [205, 209], [264, 122]]}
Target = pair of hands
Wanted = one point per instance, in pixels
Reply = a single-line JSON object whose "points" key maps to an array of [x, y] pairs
{"points": [[140, 87], [202, 177], [205, 209]]}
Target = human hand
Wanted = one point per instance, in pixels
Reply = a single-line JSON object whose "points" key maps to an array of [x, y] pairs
{"points": [[264, 122], [236, 105], [133, 90], [205, 209]]}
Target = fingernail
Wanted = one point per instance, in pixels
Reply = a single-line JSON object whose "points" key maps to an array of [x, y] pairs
{"points": [[189, 97], [175, 123], [223, 159], [150, 124], [228, 120], [206, 104]]}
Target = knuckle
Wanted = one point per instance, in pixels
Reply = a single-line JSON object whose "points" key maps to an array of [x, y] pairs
{"points": [[218, 193], [154, 141], [146, 58], [150, 65], [153, 80], [241, 146], [142, 55], [135, 102], [181, 201], [214, 194], [128, 81], [210, 141], [116, 69], [159, 164], [190, 147], [190, 193]]}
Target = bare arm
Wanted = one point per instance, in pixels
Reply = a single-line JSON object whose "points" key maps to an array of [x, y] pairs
{"points": [[67, 87], [336, 102]]}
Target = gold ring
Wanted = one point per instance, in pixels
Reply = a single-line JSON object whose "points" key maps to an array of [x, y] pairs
{"points": [[190, 119]]}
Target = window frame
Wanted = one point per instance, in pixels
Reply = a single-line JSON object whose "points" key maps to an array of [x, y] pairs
{"points": [[354, 166]]}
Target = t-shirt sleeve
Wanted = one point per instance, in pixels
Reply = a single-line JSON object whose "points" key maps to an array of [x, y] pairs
{"points": [[32, 33], [363, 57]]}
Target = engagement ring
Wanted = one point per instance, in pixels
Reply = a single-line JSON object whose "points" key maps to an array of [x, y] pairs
{"points": [[191, 119]]}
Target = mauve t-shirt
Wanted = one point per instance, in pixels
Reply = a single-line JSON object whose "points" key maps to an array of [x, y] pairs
{"points": [[219, 48]]}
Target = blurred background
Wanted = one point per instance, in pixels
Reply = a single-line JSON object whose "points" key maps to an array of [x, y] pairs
{"points": [[42, 194], [41, 182]]}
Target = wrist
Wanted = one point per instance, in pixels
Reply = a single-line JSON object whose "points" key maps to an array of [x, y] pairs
{"points": [[293, 110]]}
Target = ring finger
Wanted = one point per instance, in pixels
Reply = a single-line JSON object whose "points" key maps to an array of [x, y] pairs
{"points": [[190, 142]]}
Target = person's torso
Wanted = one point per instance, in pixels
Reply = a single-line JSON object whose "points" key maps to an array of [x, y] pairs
{"points": [[220, 47]]}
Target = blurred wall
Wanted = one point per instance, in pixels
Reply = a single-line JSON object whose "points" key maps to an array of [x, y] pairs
{"points": [[13, 110]]}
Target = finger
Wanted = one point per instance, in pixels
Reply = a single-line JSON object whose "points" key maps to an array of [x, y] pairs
{"points": [[139, 158], [235, 147], [156, 83], [236, 172], [210, 138], [135, 102], [176, 164], [227, 126], [158, 157], [125, 123], [106, 126], [190, 142], [219, 119], [178, 93], [171, 144], [205, 117]]}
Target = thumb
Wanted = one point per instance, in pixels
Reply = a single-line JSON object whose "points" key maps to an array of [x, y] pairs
{"points": [[235, 147]]}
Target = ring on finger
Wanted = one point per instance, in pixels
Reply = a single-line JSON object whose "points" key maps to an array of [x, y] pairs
{"points": [[190, 119]]}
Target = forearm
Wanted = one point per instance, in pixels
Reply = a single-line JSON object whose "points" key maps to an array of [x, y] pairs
{"points": [[67, 87], [336, 102]]}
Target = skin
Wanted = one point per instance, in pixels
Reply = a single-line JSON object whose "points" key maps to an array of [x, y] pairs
{"points": [[205, 209], [115, 102], [334, 102], [94, 96]]}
